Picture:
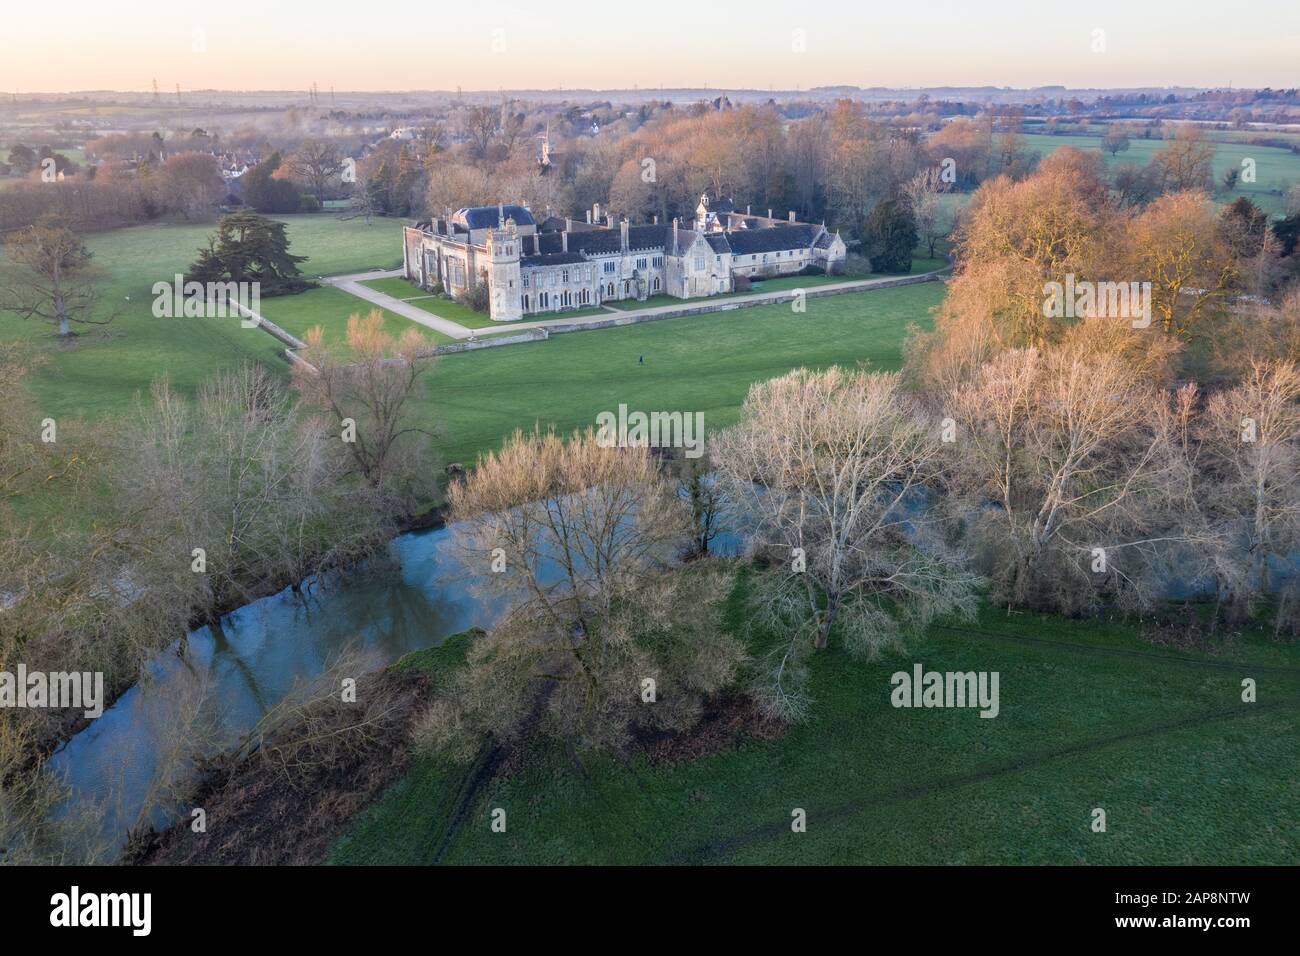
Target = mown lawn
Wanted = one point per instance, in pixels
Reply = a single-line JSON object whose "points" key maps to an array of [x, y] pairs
{"points": [[1090, 717], [699, 363], [1275, 169], [330, 308], [779, 284], [109, 365]]}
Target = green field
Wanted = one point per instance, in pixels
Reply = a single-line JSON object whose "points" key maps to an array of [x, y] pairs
{"points": [[783, 284], [1275, 169], [1089, 717], [108, 365], [330, 308], [698, 363]]}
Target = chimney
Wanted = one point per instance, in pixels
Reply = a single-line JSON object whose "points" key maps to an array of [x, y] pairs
{"points": [[568, 223], [792, 215], [674, 235], [595, 213], [501, 214], [656, 219], [622, 228], [769, 215], [564, 241], [747, 210], [589, 217]]}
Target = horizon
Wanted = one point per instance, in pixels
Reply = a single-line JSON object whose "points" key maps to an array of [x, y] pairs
{"points": [[1015, 45]]}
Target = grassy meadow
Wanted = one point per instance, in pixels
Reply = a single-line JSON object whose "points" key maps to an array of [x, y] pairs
{"points": [[330, 308], [1275, 169], [108, 365], [1089, 717], [698, 363]]}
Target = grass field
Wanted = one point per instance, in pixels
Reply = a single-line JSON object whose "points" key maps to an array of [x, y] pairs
{"points": [[699, 363], [1089, 717], [108, 365], [1275, 169], [782, 284], [330, 308]]}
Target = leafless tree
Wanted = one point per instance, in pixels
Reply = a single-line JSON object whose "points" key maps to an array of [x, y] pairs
{"points": [[832, 470], [371, 386], [49, 277], [316, 162], [480, 125], [191, 184], [1056, 456], [578, 539], [922, 192], [1250, 440]]}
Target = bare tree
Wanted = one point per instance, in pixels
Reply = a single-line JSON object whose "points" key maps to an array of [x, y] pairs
{"points": [[832, 470], [316, 162], [1058, 456], [191, 184], [1186, 161], [1114, 140], [578, 539], [368, 393], [480, 124], [922, 192], [50, 277], [1250, 438], [1176, 244], [242, 474]]}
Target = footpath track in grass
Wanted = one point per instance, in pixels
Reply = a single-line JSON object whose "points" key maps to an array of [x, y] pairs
{"points": [[1243, 666], [1088, 718], [713, 851]]}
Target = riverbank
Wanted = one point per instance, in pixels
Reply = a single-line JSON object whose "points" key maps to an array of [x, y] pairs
{"points": [[64, 725], [286, 798], [1092, 714]]}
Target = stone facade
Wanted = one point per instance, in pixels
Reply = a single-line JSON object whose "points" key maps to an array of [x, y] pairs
{"points": [[563, 264]]}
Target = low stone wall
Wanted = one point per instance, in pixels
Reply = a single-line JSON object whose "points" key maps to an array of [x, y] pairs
{"points": [[293, 342], [264, 323], [491, 341]]}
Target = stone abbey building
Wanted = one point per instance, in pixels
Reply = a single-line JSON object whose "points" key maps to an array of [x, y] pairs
{"points": [[533, 268]]}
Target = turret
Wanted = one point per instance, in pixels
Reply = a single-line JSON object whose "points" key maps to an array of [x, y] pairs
{"points": [[504, 288]]}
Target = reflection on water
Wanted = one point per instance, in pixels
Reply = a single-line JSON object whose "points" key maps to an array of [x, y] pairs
{"points": [[215, 685]]}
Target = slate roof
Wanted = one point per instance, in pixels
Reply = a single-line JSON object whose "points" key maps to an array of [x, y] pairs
{"points": [[746, 242], [485, 217], [605, 241], [718, 242], [824, 241], [552, 259]]}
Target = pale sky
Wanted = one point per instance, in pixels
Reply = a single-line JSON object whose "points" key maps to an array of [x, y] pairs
{"points": [[486, 45]]}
